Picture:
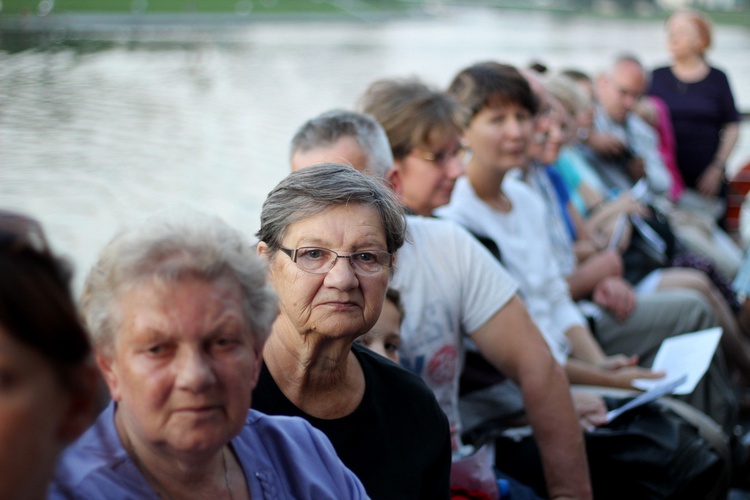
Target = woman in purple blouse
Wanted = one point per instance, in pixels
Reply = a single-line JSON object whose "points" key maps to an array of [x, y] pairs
{"points": [[179, 310], [704, 116]]}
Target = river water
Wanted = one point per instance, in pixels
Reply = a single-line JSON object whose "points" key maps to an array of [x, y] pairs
{"points": [[100, 133]]}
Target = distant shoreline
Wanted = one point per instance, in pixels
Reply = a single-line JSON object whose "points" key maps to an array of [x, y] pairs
{"points": [[20, 32], [91, 19]]}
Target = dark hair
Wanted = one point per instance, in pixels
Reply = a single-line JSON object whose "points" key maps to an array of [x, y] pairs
{"points": [[490, 84], [36, 305]]}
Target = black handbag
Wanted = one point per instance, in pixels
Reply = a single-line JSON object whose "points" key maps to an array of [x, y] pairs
{"points": [[647, 453], [652, 246]]}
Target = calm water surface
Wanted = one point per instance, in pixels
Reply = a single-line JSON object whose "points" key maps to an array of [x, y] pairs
{"points": [[91, 140]]}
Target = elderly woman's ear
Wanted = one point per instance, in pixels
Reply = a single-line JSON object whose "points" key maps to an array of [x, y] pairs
{"points": [[104, 362], [263, 250], [258, 353]]}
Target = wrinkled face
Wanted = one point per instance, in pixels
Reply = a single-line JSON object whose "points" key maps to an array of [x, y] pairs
{"points": [[33, 409], [183, 365], [620, 90], [683, 38], [385, 337], [341, 303], [425, 177], [499, 136], [346, 150]]}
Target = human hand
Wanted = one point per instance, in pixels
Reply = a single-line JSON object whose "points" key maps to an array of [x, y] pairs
{"points": [[636, 168], [616, 295], [605, 144], [626, 203], [709, 183], [590, 409], [619, 361], [623, 370]]}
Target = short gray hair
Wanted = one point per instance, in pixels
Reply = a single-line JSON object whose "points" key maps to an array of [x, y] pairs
{"points": [[629, 59], [326, 129], [167, 248], [312, 190]]}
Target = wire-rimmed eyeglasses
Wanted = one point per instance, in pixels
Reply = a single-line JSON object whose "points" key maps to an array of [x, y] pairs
{"points": [[316, 260]]}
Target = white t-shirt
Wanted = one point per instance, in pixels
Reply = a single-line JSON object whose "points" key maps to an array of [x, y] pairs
{"points": [[521, 235], [450, 285]]}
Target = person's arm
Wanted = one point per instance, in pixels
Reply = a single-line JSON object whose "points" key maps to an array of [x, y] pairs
{"points": [[593, 270], [602, 219], [605, 144], [711, 178], [645, 144], [588, 365], [583, 346], [583, 373], [585, 244], [616, 295], [600, 277], [513, 344]]}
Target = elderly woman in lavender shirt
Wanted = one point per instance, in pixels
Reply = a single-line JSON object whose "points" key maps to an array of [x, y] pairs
{"points": [[179, 312]]}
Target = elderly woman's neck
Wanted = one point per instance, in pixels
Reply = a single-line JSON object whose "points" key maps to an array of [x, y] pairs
{"points": [[320, 376], [174, 476]]}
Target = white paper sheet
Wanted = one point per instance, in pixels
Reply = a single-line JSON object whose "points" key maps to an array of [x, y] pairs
{"points": [[662, 389], [614, 240], [688, 354]]}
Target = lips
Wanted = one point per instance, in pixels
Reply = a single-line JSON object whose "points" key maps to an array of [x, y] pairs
{"points": [[341, 305], [516, 150], [198, 409]]}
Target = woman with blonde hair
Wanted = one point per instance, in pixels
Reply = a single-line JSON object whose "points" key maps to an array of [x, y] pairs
{"points": [[699, 98]]}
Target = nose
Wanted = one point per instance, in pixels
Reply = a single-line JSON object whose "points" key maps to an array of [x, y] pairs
{"points": [[194, 372], [342, 275], [629, 101], [556, 133], [455, 167]]}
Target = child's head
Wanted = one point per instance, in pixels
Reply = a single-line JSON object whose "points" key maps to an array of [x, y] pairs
{"points": [[384, 338]]}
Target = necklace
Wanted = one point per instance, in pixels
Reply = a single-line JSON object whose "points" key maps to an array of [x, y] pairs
{"points": [[155, 482]]}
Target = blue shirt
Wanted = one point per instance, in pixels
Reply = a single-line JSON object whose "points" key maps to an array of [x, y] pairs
{"points": [[282, 458]]}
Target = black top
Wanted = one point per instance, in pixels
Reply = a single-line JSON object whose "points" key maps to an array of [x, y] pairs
{"points": [[699, 110], [397, 441]]}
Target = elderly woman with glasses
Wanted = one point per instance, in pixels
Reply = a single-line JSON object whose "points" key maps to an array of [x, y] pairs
{"points": [[47, 382], [179, 310], [330, 235]]}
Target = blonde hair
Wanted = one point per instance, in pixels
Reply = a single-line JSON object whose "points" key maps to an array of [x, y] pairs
{"points": [[701, 23]]}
